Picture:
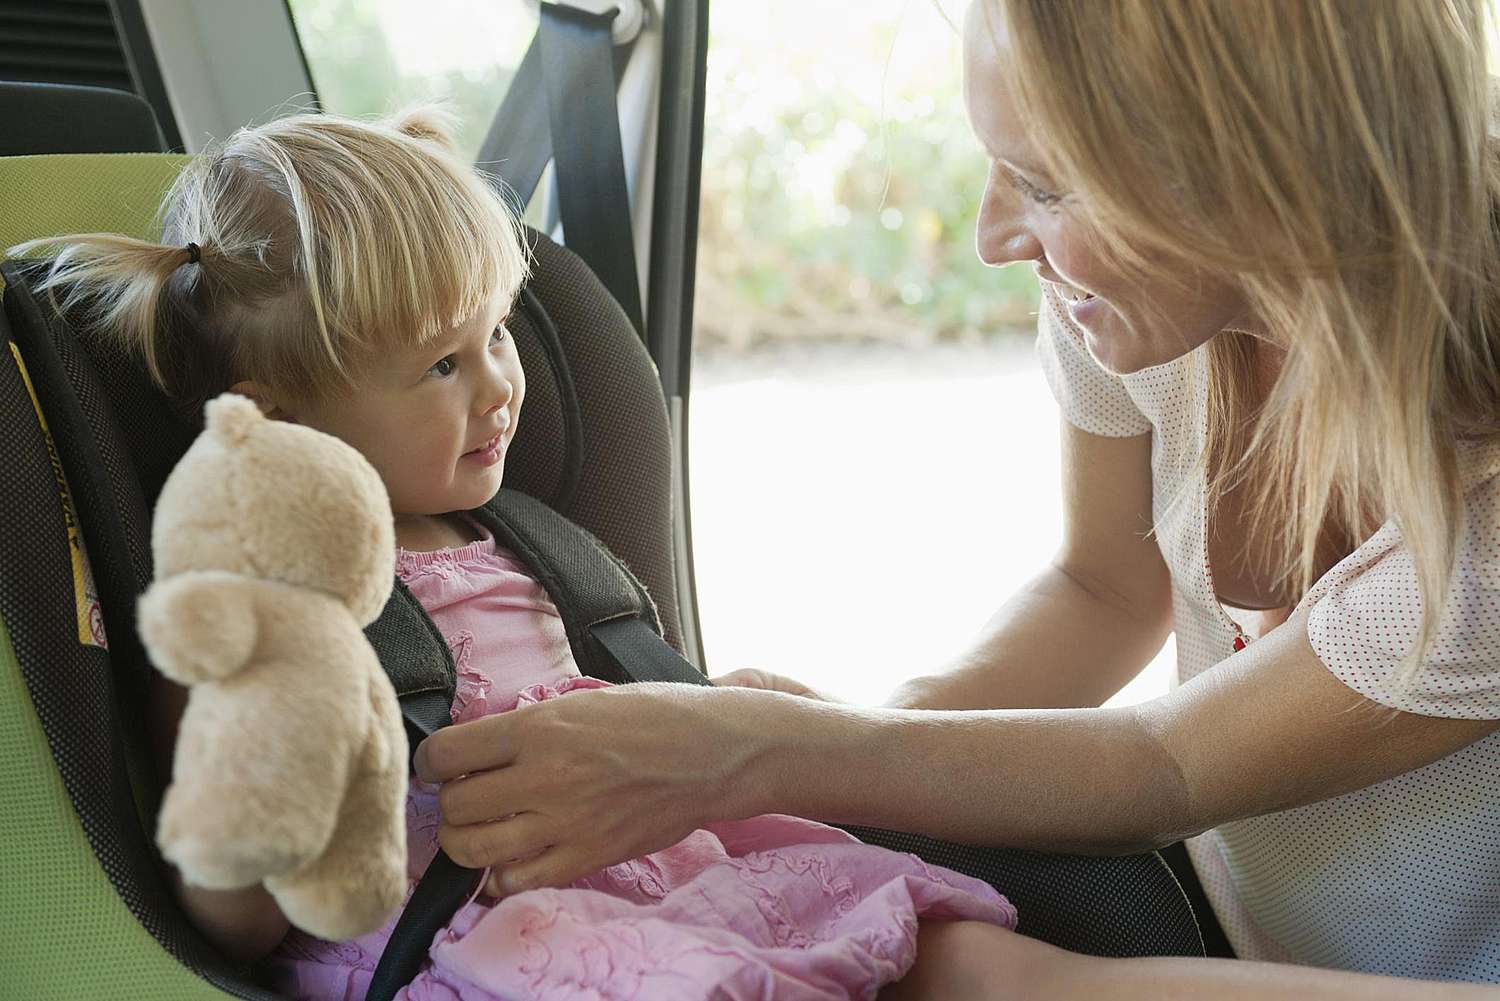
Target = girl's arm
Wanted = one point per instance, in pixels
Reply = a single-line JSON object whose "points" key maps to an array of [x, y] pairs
{"points": [[1091, 620], [245, 925]]}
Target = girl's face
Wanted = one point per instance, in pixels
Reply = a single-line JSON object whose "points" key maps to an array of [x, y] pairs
{"points": [[435, 421], [1127, 325]]}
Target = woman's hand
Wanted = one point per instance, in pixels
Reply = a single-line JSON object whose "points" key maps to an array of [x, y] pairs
{"points": [[754, 677], [590, 778]]}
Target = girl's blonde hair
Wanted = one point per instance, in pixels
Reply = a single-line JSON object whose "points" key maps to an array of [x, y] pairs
{"points": [[321, 241], [1332, 160]]}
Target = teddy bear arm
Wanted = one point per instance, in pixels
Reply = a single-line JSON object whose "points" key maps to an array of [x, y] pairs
{"points": [[353, 887], [201, 625]]}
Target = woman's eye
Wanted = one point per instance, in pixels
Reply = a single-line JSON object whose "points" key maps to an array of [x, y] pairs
{"points": [[1039, 195], [443, 368]]}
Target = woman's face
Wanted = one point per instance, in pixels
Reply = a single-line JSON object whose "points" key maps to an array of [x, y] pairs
{"points": [[1128, 324]]}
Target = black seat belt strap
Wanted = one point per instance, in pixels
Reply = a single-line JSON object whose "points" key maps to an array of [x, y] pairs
{"points": [[445, 886], [578, 57], [519, 143], [642, 655], [443, 889]]}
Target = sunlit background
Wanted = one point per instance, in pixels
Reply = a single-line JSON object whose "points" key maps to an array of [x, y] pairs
{"points": [[873, 451]]}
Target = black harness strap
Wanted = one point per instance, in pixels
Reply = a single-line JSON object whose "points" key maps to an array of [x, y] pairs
{"points": [[444, 886], [614, 633], [642, 655], [587, 582]]}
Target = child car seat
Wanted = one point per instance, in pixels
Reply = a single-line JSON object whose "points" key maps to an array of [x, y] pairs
{"points": [[85, 444]]}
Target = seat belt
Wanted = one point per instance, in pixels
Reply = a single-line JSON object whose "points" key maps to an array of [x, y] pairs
{"points": [[609, 620], [561, 106], [642, 655], [445, 885]]}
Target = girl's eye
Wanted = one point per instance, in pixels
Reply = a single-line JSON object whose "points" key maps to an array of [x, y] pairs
{"points": [[443, 368], [499, 334]]}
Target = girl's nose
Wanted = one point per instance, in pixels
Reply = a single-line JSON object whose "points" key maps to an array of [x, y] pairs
{"points": [[499, 399], [496, 391]]}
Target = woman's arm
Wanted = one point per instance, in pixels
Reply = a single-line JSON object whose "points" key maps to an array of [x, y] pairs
{"points": [[1090, 621], [1267, 730], [602, 776], [245, 925], [970, 959]]}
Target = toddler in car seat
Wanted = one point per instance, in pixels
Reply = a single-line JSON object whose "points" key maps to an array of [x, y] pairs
{"points": [[357, 277]]}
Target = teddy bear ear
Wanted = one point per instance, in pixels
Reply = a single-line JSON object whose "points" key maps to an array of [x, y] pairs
{"points": [[232, 417]]}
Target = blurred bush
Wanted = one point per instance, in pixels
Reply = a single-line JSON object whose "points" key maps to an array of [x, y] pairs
{"points": [[841, 183]]}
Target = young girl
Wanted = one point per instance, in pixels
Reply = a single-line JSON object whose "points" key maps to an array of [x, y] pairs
{"points": [[356, 278]]}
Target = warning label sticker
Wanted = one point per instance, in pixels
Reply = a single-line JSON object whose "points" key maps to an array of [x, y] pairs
{"points": [[85, 594]]}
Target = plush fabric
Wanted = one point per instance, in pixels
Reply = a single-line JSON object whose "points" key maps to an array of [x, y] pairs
{"points": [[274, 546]]}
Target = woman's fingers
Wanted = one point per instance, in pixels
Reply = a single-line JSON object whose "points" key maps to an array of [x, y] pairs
{"points": [[592, 778], [467, 747], [747, 677], [556, 866], [483, 796], [496, 843], [754, 677]]}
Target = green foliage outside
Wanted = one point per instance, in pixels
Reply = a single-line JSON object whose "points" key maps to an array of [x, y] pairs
{"points": [[840, 180], [351, 48]]}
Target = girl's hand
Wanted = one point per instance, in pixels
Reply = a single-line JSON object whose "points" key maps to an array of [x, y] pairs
{"points": [[591, 778], [754, 677]]}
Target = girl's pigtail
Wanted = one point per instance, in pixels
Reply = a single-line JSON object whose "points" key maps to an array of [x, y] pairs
{"points": [[431, 123], [118, 283]]}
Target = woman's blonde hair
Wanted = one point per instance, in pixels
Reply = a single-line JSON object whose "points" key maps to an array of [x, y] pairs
{"points": [[1332, 160], [320, 240]]}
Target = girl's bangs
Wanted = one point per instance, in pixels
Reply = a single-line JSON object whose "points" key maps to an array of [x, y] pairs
{"points": [[447, 256]]}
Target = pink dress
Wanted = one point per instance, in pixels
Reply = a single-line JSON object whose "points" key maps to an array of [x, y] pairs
{"points": [[771, 907]]}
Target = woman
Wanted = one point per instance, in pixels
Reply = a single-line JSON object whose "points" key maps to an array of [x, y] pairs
{"points": [[1266, 233]]}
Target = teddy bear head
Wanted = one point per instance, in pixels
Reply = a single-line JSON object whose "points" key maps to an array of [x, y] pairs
{"points": [[277, 501]]}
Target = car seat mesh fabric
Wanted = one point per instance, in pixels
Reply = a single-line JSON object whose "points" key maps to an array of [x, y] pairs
{"points": [[93, 193], [78, 875], [1133, 905], [618, 485], [122, 471], [600, 456]]}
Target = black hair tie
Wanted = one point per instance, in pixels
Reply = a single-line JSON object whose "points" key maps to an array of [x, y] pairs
{"points": [[195, 253]]}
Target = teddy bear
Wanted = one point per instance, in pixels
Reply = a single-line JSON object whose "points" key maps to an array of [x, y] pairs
{"points": [[274, 546]]}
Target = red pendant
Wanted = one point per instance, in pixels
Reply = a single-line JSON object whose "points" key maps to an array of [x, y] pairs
{"points": [[1239, 643]]}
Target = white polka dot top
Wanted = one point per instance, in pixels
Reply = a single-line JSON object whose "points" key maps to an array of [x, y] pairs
{"points": [[1403, 877]]}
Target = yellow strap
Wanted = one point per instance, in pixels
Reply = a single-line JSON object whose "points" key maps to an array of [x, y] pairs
{"points": [[85, 594]]}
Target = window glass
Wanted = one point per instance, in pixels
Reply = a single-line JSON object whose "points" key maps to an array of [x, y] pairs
{"points": [[371, 57], [874, 450]]}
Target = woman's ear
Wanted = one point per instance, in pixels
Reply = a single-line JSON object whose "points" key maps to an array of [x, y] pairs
{"points": [[268, 406]]}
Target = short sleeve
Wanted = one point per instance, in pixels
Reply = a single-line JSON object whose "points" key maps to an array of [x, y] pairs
{"points": [[1090, 398], [1367, 613]]}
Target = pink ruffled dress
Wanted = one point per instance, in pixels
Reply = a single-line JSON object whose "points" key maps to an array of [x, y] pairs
{"points": [[771, 907]]}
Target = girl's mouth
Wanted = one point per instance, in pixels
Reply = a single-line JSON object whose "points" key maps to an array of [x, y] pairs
{"points": [[489, 453]]}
